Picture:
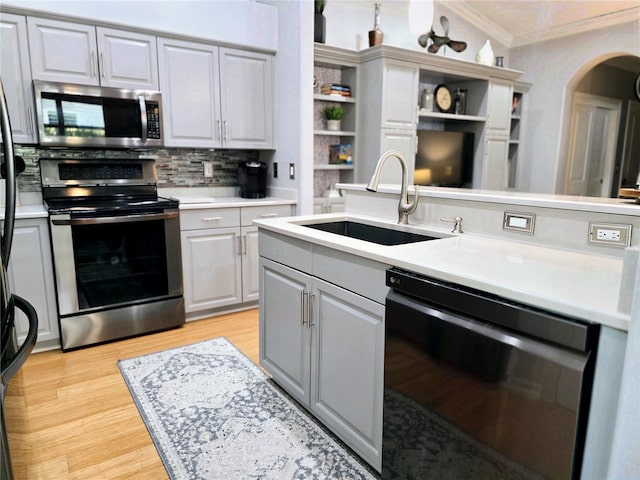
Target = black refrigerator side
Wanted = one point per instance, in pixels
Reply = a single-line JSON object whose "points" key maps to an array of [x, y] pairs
{"points": [[12, 356]]}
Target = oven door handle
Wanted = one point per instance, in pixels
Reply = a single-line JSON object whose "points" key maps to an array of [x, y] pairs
{"points": [[117, 219]]}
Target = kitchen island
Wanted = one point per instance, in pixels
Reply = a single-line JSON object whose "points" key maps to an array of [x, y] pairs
{"points": [[555, 269]]}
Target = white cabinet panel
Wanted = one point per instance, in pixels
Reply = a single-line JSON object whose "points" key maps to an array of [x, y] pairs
{"points": [[284, 340], [78, 53], [31, 277], [495, 167], [190, 89], [250, 264], [499, 107], [211, 268], [403, 141], [399, 96], [63, 51], [303, 317], [347, 364], [246, 82], [15, 72], [127, 59]]}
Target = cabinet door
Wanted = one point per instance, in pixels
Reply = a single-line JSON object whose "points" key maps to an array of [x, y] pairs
{"points": [[400, 95], [404, 141], [191, 93], [500, 102], [246, 82], [211, 268], [495, 172], [15, 72], [250, 264], [347, 362], [63, 51], [284, 339], [31, 277], [127, 59]]}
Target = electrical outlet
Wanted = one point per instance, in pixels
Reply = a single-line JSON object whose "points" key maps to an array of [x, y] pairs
{"points": [[613, 235], [208, 169], [275, 169], [292, 171]]}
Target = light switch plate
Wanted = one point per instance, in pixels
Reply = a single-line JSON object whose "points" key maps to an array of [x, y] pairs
{"points": [[519, 222]]}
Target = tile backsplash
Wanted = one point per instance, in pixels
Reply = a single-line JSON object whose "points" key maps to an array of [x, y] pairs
{"points": [[177, 167]]}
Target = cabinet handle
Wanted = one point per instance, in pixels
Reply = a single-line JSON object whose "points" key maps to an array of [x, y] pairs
{"points": [[30, 118], [219, 130], [102, 64], [303, 297], [244, 245], [92, 61], [309, 310], [226, 131], [269, 215], [211, 219], [239, 245]]}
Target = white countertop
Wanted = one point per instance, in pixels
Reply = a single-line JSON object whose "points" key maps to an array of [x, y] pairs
{"points": [[28, 211], [218, 197], [580, 285]]}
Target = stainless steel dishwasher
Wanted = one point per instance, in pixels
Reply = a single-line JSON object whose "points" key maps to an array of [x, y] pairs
{"points": [[477, 386]]}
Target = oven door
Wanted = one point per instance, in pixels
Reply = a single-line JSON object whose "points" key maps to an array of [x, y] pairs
{"points": [[110, 261]]}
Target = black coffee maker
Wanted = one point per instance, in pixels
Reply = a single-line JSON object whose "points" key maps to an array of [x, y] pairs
{"points": [[252, 177]]}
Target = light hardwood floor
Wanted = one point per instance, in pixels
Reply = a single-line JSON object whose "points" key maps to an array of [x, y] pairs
{"points": [[70, 415]]}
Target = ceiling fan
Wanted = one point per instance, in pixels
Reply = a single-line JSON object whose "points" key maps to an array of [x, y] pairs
{"points": [[438, 41]]}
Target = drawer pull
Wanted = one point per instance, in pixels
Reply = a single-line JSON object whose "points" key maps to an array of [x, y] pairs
{"points": [[211, 219], [269, 215]]}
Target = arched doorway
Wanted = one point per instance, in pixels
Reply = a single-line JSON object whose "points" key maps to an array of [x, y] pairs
{"points": [[605, 81]]}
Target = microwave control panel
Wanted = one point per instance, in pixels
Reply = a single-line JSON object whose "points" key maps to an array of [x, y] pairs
{"points": [[153, 120]]}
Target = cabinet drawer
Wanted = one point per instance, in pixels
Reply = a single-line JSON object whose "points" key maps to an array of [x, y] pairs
{"points": [[249, 214], [209, 218]]}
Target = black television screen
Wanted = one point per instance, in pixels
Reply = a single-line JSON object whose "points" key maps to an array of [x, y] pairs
{"points": [[444, 159]]}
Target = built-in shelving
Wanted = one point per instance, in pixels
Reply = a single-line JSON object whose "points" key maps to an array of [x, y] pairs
{"points": [[333, 65]]}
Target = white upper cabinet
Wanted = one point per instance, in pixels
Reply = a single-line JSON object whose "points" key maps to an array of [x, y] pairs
{"points": [[400, 90], [78, 53], [15, 72], [246, 93], [190, 91], [127, 59], [499, 106], [225, 101]]}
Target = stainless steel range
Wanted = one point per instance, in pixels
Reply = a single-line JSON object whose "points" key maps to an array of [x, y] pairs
{"points": [[116, 249]]}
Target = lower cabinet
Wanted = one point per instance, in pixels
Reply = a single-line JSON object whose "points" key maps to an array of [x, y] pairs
{"points": [[31, 277], [220, 256], [324, 344]]}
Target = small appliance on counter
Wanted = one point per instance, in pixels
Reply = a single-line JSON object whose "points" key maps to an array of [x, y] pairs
{"points": [[252, 177]]}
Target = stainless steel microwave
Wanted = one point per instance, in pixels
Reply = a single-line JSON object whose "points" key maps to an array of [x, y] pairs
{"points": [[72, 115]]}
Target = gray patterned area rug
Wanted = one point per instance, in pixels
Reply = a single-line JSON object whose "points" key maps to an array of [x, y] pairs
{"points": [[213, 414]]}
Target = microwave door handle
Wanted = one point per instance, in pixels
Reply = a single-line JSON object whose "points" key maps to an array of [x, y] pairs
{"points": [[143, 117]]}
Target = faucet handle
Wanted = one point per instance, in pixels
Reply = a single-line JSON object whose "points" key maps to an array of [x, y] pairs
{"points": [[457, 224]]}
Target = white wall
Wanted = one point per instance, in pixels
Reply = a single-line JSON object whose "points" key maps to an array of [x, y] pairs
{"points": [[349, 21], [294, 100], [553, 68], [236, 22]]}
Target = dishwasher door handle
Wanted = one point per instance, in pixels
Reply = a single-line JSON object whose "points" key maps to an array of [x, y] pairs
{"points": [[567, 358]]}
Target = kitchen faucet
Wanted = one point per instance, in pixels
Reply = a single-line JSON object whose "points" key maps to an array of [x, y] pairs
{"points": [[404, 207]]}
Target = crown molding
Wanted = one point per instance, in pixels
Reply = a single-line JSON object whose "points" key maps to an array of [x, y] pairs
{"points": [[609, 20], [480, 22], [499, 34]]}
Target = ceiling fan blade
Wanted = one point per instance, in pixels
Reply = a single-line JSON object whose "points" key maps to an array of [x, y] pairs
{"points": [[456, 46], [444, 21], [433, 48], [423, 40]]}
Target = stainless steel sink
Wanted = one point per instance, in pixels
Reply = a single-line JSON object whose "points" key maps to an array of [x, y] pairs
{"points": [[370, 233]]}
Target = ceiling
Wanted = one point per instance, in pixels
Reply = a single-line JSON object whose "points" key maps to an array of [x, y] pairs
{"points": [[522, 22]]}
